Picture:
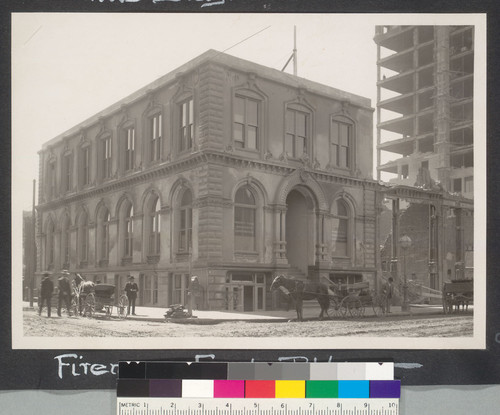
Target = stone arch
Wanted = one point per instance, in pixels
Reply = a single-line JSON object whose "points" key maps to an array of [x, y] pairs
{"points": [[346, 197], [124, 198], [150, 193], [255, 185], [301, 178]]}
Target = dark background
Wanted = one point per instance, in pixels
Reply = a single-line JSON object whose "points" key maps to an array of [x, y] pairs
{"points": [[37, 369]]}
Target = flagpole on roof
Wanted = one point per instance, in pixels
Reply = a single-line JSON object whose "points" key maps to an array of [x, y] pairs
{"points": [[295, 50]]}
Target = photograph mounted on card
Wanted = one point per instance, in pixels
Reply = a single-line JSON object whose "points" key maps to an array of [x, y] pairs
{"points": [[290, 181]]}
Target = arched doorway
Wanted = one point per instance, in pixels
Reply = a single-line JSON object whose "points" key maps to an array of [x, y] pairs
{"points": [[300, 229]]}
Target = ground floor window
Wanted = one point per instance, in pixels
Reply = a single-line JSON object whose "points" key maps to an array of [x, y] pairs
{"points": [[339, 278], [150, 289], [180, 284]]}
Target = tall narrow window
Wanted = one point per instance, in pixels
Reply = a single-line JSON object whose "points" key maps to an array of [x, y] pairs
{"points": [[341, 229], [246, 123], [67, 172], [82, 239], [129, 145], [185, 221], [106, 157], [50, 245], [85, 165], [129, 232], [244, 220], [155, 137], [155, 228], [51, 177], [341, 143], [187, 125], [296, 133], [103, 243], [65, 242]]}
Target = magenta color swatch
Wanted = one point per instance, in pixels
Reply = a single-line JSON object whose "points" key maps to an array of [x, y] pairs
{"points": [[229, 388]]}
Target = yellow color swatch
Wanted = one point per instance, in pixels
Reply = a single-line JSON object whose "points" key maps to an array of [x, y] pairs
{"points": [[290, 389]]}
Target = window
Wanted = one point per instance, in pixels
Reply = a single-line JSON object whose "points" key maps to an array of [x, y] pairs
{"points": [[180, 286], [469, 184], [186, 222], [150, 289], [340, 235], [155, 131], [341, 143], [51, 179], [404, 171], [106, 157], [50, 245], [129, 146], [154, 227], [246, 123], [244, 220], [65, 242], [187, 125], [85, 165], [128, 232], [296, 132], [103, 235], [82, 238], [457, 185], [67, 170]]}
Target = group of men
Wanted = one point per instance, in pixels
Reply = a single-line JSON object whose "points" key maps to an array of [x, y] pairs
{"points": [[65, 293]]}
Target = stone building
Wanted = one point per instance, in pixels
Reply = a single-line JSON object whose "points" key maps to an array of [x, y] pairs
{"points": [[223, 169]]}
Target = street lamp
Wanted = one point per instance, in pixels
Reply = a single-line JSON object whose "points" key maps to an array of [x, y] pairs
{"points": [[405, 243]]}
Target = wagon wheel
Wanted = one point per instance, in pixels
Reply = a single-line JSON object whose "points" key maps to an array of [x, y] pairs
{"points": [[352, 306], [75, 309], [377, 305], [89, 305], [334, 306], [122, 306]]}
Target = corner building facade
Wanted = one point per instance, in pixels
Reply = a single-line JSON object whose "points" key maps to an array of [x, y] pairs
{"points": [[223, 169]]}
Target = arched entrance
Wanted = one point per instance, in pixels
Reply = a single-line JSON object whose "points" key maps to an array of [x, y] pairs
{"points": [[300, 229]]}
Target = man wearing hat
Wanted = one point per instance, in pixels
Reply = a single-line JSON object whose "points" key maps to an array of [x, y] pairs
{"points": [[46, 289], [131, 289], [64, 292]]}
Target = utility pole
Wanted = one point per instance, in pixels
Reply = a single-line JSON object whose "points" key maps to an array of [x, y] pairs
{"points": [[32, 257]]}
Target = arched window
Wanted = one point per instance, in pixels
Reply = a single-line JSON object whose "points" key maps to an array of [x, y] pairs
{"points": [[65, 242], [154, 227], [128, 232], [244, 220], [50, 245], [82, 239], [103, 221], [185, 221], [341, 229], [342, 142]]}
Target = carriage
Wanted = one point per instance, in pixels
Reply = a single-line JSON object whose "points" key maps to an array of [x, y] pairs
{"points": [[91, 298], [352, 300], [343, 300], [457, 293]]}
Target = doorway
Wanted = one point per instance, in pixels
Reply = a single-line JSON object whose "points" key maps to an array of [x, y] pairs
{"points": [[298, 230]]}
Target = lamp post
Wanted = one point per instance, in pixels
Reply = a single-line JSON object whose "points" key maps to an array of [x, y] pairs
{"points": [[405, 243]]}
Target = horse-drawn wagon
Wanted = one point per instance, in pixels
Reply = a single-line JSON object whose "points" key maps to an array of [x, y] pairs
{"points": [[89, 298], [457, 293], [344, 300]]}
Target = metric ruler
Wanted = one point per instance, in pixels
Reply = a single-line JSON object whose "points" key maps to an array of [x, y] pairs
{"points": [[263, 406]]}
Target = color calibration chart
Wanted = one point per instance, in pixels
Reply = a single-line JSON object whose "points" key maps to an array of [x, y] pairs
{"points": [[227, 388]]}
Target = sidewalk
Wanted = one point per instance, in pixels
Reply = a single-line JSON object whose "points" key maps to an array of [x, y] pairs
{"points": [[310, 311]]}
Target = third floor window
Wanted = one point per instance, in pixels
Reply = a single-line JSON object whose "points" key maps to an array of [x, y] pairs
{"points": [[246, 123], [129, 145], [106, 157], [155, 137], [341, 142], [187, 125], [296, 132]]}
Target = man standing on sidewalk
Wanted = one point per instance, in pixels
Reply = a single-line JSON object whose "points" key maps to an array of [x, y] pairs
{"points": [[46, 289], [131, 289]]}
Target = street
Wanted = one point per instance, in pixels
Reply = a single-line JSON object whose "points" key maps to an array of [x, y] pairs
{"points": [[437, 325]]}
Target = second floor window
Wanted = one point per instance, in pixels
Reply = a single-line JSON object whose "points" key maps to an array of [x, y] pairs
{"points": [[296, 132], [129, 231], [67, 172], [341, 144], [51, 176], [246, 123], [129, 138], [187, 125], [155, 228], [82, 238], [106, 157], [244, 220], [155, 137], [85, 163]]}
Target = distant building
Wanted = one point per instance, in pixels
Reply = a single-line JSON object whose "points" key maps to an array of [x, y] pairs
{"points": [[425, 106], [425, 143], [28, 254], [223, 169]]}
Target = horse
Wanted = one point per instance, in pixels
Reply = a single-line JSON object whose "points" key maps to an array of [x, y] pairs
{"points": [[304, 290], [81, 286]]}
